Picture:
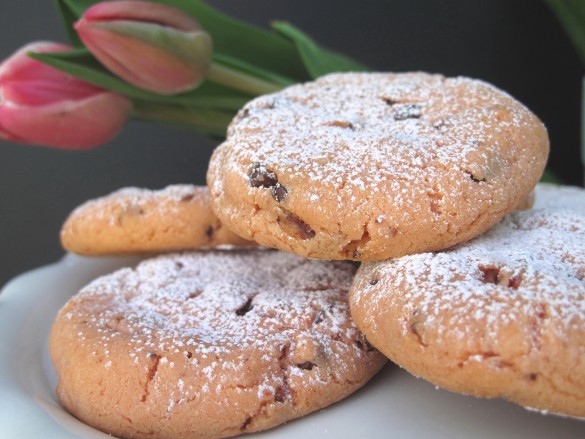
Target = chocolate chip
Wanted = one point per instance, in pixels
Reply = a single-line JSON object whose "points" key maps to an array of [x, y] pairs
{"points": [[389, 101], [245, 308], [292, 224], [307, 365], [407, 111], [474, 178], [209, 232], [281, 394], [318, 317], [515, 281], [374, 282], [364, 346], [490, 274], [194, 294], [304, 228], [246, 423], [260, 176], [494, 275], [279, 192]]}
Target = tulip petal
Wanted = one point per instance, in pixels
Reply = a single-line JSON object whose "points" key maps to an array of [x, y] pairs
{"points": [[21, 66], [42, 105], [68, 124], [25, 81], [41, 91], [5, 135], [135, 10], [155, 58]]}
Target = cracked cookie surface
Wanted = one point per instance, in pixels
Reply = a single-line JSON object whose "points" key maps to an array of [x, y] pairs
{"points": [[136, 220], [500, 316], [371, 166], [210, 344]]}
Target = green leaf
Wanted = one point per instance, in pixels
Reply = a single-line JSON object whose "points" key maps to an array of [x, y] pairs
{"points": [[251, 69], [549, 177], [210, 122], [213, 96], [78, 7], [263, 48], [68, 17], [571, 14], [237, 39], [81, 64], [238, 80], [318, 61]]}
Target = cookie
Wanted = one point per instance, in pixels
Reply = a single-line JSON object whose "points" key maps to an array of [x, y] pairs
{"points": [[367, 166], [526, 203], [209, 344], [134, 220], [500, 316]]}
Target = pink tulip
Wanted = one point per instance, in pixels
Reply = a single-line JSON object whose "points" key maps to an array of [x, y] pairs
{"points": [[150, 45], [44, 106]]}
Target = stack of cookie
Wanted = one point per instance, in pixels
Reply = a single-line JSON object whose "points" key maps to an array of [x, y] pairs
{"points": [[418, 176]]}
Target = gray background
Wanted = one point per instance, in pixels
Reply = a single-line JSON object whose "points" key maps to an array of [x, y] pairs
{"points": [[516, 44]]}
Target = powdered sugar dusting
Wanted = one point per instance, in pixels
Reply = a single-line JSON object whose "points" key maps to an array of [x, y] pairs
{"points": [[161, 202], [225, 313], [531, 264], [198, 295], [361, 132], [349, 149]]}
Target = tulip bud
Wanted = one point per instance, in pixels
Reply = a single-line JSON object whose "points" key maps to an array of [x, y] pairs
{"points": [[44, 106], [150, 45]]}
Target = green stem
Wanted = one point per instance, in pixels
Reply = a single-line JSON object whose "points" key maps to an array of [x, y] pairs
{"points": [[240, 81], [213, 122]]}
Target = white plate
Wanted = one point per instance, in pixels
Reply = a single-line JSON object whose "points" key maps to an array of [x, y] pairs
{"points": [[394, 404]]}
